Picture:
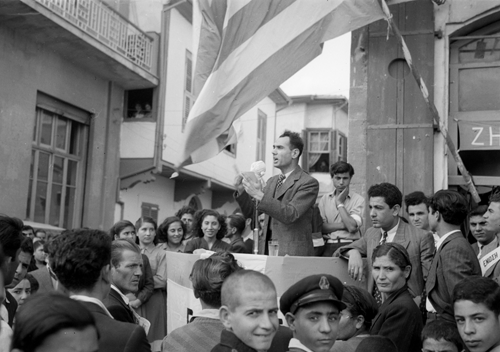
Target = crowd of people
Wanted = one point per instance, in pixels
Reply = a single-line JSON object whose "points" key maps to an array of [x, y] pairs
{"points": [[420, 283]]}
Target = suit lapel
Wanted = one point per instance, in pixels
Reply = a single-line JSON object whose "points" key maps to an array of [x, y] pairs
{"points": [[431, 278], [400, 236], [289, 182]]}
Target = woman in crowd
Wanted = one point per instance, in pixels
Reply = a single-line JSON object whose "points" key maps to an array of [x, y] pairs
{"points": [[203, 331], [355, 320], [399, 317], [171, 235], [156, 309], [54, 322], [25, 288], [124, 229], [210, 227]]}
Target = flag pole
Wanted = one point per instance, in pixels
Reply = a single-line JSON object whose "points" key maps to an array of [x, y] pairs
{"points": [[425, 93]]}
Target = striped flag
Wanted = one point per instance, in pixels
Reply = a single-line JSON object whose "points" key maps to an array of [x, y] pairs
{"points": [[247, 48]]}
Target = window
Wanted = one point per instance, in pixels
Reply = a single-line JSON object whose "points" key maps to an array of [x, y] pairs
{"points": [[261, 136], [57, 164], [342, 149], [188, 89], [150, 210], [320, 150], [139, 104]]}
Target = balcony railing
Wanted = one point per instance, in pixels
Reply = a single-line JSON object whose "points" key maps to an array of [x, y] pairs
{"points": [[101, 22]]}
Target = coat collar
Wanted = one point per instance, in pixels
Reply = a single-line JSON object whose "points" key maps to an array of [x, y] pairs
{"points": [[388, 301], [289, 182]]}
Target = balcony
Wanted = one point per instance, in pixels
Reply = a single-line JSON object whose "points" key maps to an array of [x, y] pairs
{"points": [[89, 33]]}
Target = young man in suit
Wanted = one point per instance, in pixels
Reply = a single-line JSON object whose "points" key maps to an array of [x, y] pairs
{"points": [[287, 200], [126, 271], [385, 201], [454, 259], [80, 259]]}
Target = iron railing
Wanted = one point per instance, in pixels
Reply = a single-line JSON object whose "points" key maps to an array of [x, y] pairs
{"points": [[106, 25]]}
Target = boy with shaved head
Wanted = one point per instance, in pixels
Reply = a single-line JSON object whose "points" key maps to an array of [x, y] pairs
{"points": [[249, 312]]}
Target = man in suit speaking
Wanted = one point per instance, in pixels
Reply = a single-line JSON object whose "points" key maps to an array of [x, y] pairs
{"points": [[287, 200]]}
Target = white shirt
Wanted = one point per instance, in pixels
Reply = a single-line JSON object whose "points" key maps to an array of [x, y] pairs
{"points": [[125, 298], [82, 298], [391, 233], [428, 304], [287, 174]]}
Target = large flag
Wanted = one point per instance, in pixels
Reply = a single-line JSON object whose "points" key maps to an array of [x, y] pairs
{"points": [[247, 48]]}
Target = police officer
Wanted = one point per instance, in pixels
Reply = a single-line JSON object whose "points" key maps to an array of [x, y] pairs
{"points": [[312, 309]]}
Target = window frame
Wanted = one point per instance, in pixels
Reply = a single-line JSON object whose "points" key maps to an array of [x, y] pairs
{"points": [[188, 96], [48, 106], [150, 207]]}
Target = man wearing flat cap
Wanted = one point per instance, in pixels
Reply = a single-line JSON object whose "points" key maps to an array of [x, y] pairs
{"points": [[312, 307]]}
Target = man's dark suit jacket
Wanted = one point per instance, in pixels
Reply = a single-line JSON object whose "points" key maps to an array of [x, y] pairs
{"points": [[418, 243], [116, 336], [454, 261], [289, 209], [44, 281], [118, 309], [400, 320]]}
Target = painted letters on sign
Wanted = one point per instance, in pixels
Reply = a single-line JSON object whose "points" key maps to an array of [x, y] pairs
{"points": [[483, 135]]}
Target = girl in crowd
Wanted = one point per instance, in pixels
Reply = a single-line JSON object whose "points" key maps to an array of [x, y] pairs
{"points": [[171, 235], [210, 227], [156, 309], [355, 320], [25, 288], [124, 229], [399, 317]]}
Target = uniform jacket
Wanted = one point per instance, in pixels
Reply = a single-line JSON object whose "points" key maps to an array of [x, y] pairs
{"points": [[118, 308], [399, 319], [418, 243], [117, 336], [454, 261], [288, 211], [494, 271]]}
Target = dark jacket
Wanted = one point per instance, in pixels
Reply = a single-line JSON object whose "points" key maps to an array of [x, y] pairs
{"points": [[118, 309], [454, 261], [400, 320], [229, 342], [289, 211], [116, 336]]}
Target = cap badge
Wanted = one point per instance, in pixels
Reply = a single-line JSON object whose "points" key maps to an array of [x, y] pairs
{"points": [[324, 284]]}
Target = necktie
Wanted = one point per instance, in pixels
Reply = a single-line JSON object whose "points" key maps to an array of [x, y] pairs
{"points": [[376, 292], [281, 178], [480, 250], [384, 238]]}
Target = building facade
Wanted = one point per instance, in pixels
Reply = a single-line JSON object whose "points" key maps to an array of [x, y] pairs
{"points": [[65, 68], [394, 135]]}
